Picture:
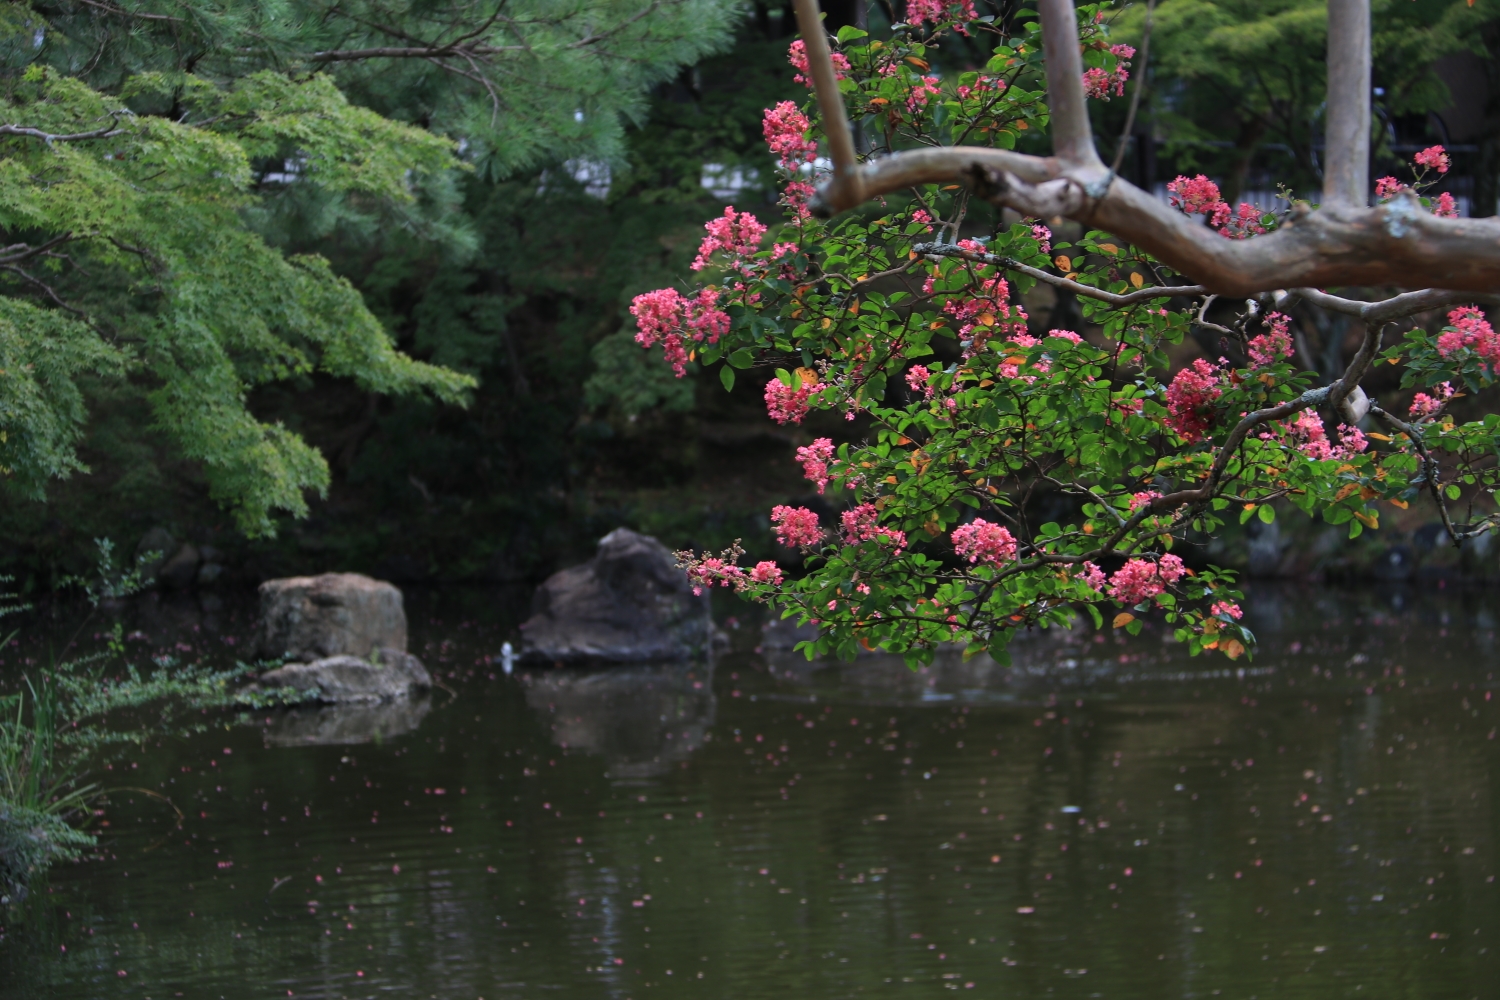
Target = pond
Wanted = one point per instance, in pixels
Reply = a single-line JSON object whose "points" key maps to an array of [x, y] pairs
{"points": [[1108, 818]]}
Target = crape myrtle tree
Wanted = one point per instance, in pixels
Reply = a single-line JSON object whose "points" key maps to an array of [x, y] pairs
{"points": [[155, 155], [940, 540]]}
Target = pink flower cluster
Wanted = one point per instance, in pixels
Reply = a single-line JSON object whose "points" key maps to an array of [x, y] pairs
{"points": [[860, 526], [916, 380], [1227, 608], [1043, 236], [1269, 348], [797, 56], [987, 313], [796, 526], [924, 90], [920, 12], [1200, 196], [785, 129], [815, 458], [1140, 579], [1388, 187], [981, 86], [1142, 499], [736, 233], [1100, 83], [706, 572], [1067, 335], [1306, 434], [1243, 223], [785, 404], [1424, 406], [1091, 576], [1468, 330], [668, 316], [1190, 400], [980, 541], [1433, 158], [1445, 207]]}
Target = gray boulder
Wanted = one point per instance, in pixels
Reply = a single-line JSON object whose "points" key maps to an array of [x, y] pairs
{"points": [[387, 676], [630, 603], [336, 614]]}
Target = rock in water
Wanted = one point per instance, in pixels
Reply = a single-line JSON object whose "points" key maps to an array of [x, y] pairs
{"points": [[388, 675], [630, 603], [335, 614]]}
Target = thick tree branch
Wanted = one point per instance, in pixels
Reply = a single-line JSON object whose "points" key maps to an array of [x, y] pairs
{"points": [[1346, 168], [1088, 291], [1398, 243], [846, 170], [1385, 310]]}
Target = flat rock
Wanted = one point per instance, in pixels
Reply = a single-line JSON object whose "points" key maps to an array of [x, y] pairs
{"points": [[630, 603], [345, 725], [336, 614], [389, 675]]}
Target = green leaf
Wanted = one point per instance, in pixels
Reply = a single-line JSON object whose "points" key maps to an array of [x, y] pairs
{"points": [[726, 376], [743, 358], [1267, 513]]}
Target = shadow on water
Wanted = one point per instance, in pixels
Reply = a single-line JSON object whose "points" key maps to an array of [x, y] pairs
{"points": [[1107, 817]]}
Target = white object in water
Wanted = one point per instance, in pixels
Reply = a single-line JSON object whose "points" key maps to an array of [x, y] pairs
{"points": [[507, 658]]}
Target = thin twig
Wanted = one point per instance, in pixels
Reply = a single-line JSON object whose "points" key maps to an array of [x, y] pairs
{"points": [[1140, 85], [1089, 291]]}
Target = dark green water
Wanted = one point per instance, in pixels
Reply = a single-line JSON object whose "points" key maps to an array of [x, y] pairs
{"points": [[1107, 819]]}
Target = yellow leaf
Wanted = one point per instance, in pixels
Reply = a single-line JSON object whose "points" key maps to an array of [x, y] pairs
{"points": [[1136, 279], [1346, 467], [1064, 263], [1016, 359], [1251, 506], [808, 376], [854, 308], [1071, 275], [1123, 618], [1376, 436], [1368, 493], [1234, 649], [951, 187], [1109, 248], [1345, 490], [827, 322], [1022, 126], [1267, 379], [1369, 520], [985, 383], [987, 319], [1399, 503], [1211, 644], [919, 63]]}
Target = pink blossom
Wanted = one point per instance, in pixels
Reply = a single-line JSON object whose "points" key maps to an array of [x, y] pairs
{"points": [[1433, 158], [916, 380], [1140, 579], [735, 233], [1190, 400], [1096, 83], [1199, 196], [785, 129], [1043, 236], [766, 572], [1351, 442], [796, 526], [984, 315], [1446, 207], [815, 458], [1142, 499], [924, 90], [797, 56], [785, 404], [1227, 608], [1244, 223], [1091, 576], [981, 86], [1269, 348], [922, 216], [1388, 187], [1424, 406], [920, 12], [981, 541], [796, 196], [1469, 330], [667, 316], [705, 573], [1067, 335], [860, 526]]}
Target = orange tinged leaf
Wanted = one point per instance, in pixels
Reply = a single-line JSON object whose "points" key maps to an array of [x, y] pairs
{"points": [[1234, 649], [1136, 279], [1398, 502], [1063, 263], [1123, 618]]}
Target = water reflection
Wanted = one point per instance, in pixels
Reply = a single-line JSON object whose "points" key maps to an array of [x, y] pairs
{"points": [[346, 724], [1105, 817], [641, 719]]}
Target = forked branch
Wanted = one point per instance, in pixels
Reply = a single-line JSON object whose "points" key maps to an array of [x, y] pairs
{"points": [[1345, 242]]}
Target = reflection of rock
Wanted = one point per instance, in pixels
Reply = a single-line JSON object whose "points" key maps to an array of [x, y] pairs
{"points": [[347, 723], [388, 675], [639, 718], [629, 603], [181, 570], [159, 544], [307, 617]]}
